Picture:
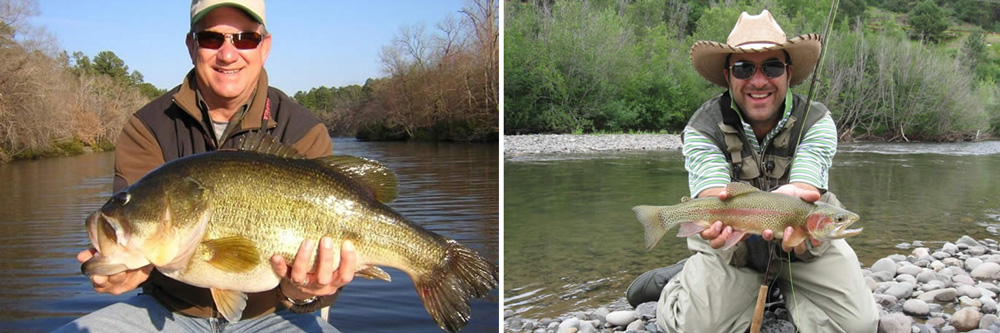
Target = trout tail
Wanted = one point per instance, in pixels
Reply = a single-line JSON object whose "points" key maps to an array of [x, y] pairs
{"points": [[447, 288], [650, 217]]}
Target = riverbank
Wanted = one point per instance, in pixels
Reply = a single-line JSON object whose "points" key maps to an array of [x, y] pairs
{"points": [[516, 145], [951, 289]]}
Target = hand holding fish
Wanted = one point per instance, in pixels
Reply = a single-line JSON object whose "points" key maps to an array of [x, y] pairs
{"points": [[300, 280], [808, 193], [118, 283]]}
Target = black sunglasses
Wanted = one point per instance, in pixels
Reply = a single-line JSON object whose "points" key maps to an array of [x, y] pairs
{"points": [[744, 70], [213, 40]]}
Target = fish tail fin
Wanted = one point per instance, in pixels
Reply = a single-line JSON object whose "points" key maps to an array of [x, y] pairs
{"points": [[447, 288], [650, 218]]}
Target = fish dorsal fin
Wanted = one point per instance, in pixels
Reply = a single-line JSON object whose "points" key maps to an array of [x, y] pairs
{"points": [[378, 177], [736, 189], [265, 144], [685, 199]]}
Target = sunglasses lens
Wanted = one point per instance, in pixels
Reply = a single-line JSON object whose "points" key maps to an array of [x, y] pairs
{"points": [[210, 39], [773, 69], [246, 40], [743, 70]]}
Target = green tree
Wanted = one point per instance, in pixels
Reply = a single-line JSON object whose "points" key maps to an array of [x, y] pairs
{"points": [[927, 21]]}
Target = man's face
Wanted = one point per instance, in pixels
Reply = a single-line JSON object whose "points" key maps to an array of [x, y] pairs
{"points": [[227, 73], [759, 96]]}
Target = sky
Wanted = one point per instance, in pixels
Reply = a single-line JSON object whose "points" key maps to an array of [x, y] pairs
{"points": [[314, 43]]}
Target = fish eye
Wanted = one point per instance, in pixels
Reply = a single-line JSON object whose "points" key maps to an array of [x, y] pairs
{"points": [[122, 198], [840, 219]]}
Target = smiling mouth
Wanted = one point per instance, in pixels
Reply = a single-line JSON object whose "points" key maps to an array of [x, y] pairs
{"points": [[231, 71], [759, 96]]}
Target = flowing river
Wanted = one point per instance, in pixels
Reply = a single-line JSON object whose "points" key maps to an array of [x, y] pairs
{"points": [[451, 189], [572, 242]]}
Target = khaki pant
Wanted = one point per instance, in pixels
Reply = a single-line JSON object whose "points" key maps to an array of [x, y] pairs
{"points": [[709, 295]]}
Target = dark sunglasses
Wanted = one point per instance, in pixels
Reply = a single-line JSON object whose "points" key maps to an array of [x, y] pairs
{"points": [[213, 40], [744, 70]]}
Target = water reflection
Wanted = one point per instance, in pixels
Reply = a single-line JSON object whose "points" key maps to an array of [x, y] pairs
{"points": [[571, 241], [451, 189]]}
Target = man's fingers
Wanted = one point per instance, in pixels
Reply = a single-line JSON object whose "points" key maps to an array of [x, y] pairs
{"points": [[767, 235], [718, 242], [300, 266], [85, 255], [279, 266], [324, 261], [712, 231], [348, 262]]}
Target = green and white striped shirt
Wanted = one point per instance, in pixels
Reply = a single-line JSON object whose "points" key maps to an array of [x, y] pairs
{"points": [[707, 166]]}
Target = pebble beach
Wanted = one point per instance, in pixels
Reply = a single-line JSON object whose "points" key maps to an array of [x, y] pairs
{"points": [[919, 289]]}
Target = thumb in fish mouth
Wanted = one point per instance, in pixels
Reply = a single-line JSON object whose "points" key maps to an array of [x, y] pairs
{"points": [[99, 265]]}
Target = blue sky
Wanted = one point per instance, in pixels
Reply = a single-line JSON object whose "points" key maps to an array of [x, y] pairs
{"points": [[315, 43]]}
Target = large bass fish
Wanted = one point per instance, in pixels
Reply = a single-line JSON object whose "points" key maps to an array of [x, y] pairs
{"points": [[748, 210], [214, 219]]}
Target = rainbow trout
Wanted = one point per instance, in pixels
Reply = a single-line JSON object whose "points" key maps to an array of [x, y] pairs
{"points": [[213, 220], [748, 210]]}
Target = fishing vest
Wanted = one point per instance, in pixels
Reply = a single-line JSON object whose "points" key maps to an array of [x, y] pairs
{"points": [[769, 168]]}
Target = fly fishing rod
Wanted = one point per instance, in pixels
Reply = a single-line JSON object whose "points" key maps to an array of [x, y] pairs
{"points": [[758, 310]]}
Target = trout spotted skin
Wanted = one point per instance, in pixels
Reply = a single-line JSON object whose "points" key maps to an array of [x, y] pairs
{"points": [[748, 210], [213, 220]]}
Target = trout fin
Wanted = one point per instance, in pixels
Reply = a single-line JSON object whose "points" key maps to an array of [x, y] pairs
{"points": [[735, 189], [374, 273], [649, 216], [230, 303], [232, 254], [447, 288], [689, 229], [796, 237], [685, 199], [266, 144], [735, 237], [376, 176]]}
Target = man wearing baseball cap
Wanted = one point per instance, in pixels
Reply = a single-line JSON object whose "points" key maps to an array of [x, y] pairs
{"points": [[751, 133], [225, 97]]}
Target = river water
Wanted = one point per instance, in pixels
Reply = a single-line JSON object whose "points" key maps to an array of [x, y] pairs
{"points": [[451, 189], [572, 242]]}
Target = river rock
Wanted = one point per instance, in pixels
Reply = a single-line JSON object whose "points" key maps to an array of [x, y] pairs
{"points": [[884, 265], [967, 290], [570, 325], [966, 319], [987, 271], [977, 250], [920, 252], [906, 278], [646, 311], [965, 301], [916, 307], [949, 248], [634, 326], [901, 290], [967, 241], [931, 285], [909, 269], [963, 279], [895, 323], [621, 318], [937, 265], [940, 295], [882, 276], [600, 314], [972, 262], [988, 320], [940, 255]]}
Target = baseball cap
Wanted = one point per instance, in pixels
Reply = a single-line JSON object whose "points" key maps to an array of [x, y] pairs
{"points": [[254, 8]]}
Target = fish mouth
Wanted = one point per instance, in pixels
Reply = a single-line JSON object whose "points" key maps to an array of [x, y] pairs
{"points": [[841, 231], [100, 265]]}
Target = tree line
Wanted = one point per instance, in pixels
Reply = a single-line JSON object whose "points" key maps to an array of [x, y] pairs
{"points": [[890, 71], [52, 103], [439, 85]]}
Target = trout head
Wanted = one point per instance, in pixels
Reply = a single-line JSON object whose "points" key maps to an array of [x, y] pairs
{"points": [[158, 220], [830, 222]]}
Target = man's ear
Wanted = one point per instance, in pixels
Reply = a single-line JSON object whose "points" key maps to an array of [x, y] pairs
{"points": [[192, 48], [726, 73], [789, 78], [265, 48]]}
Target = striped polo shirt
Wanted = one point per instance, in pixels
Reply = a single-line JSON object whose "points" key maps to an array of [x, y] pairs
{"points": [[707, 166]]}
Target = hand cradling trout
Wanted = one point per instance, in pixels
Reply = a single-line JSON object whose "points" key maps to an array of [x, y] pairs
{"points": [[214, 219], [748, 211]]}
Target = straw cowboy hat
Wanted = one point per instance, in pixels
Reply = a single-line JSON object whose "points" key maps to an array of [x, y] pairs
{"points": [[753, 34]]}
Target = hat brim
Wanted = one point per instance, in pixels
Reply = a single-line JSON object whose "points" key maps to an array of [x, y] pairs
{"points": [[709, 58]]}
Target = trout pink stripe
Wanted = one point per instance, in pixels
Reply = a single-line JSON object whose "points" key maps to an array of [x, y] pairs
{"points": [[740, 211]]}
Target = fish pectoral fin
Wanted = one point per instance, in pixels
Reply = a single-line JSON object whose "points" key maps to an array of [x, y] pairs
{"points": [[374, 273], [795, 238], [735, 237], [689, 229], [735, 189], [232, 254], [230, 303]]}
